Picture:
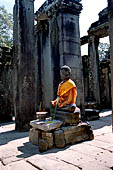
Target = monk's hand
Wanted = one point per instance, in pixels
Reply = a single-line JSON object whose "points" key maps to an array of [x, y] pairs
{"points": [[53, 103]]}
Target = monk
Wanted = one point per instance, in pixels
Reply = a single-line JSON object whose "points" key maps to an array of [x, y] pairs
{"points": [[67, 91]]}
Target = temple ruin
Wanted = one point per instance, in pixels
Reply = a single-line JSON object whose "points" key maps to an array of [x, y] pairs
{"points": [[41, 49]]}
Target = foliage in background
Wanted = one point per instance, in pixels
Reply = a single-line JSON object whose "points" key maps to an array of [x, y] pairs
{"points": [[6, 27], [103, 50]]}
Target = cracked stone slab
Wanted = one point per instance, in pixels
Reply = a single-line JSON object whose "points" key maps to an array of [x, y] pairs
{"points": [[102, 130], [19, 166], [50, 163], [91, 165], [87, 150], [2, 167], [71, 157], [100, 144], [108, 138]]}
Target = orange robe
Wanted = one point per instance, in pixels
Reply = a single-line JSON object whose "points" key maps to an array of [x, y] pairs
{"points": [[67, 93]]}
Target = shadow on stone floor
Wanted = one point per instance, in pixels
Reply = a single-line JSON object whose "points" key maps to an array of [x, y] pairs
{"points": [[11, 135], [30, 149], [7, 123], [101, 122]]}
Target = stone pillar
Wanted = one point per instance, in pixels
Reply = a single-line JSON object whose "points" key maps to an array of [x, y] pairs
{"points": [[110, 8], [24, 73], [45, 74], [94, 92]]}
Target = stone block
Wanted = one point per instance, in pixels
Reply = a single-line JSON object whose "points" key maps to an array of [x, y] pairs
{"points": [[92, 114], [76, 133], [34, 136], [59, 138], [46, 125], [49, 138], [43, 145], [68, 117]]}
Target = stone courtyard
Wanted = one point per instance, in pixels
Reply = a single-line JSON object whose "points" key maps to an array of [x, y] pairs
{"points": [[16, 152]]}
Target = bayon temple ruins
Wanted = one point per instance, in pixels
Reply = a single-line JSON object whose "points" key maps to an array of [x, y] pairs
{"points": [[30, 71]]}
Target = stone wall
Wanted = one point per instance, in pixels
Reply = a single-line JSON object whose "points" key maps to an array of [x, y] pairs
{"points": [[6, 94]]}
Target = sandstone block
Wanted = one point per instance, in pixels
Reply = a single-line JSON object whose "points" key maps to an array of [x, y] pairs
{"points": [[49, 138], [46, 125], [92, 114], [68, 117], [59, 138], [34, 136], [43, 145], [76, 133]]}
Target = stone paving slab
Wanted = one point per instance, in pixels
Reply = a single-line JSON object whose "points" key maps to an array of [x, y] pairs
{"points": [[91, 165], [108, 138], [106, 158], [72, 157], [19, 165], [51, 163], [100, 144]]}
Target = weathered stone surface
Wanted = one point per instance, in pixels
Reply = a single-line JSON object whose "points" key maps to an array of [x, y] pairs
{"points": [[24, 64], [59, 138], [105, 137], [49, 138], [91, 114], [50, 163], [20, 165], [90, 165], [34, 136], [6, 99], [43, 145], [46, 125], [56, 30], [76, 133], [68, 117]]}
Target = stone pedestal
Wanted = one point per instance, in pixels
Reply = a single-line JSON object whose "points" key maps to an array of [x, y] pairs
{"points": [[91, 111], [59, 137], [66, 116], [91, 114]]}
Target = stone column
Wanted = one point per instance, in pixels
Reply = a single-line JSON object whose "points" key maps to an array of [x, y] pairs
{"points": [[110, 8], [24, 74], [45, 74], [94, 92]]}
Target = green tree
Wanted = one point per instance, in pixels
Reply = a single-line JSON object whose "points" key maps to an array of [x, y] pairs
{"points": [[103, 50], [6, 27]]}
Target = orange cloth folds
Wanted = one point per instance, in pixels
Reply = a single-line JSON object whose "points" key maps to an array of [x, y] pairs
{"points": [[67, 93]]}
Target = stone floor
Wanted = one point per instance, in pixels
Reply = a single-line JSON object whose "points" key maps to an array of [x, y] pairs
{"points": [[17, 153]]}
